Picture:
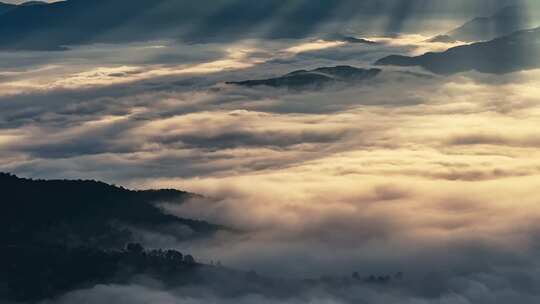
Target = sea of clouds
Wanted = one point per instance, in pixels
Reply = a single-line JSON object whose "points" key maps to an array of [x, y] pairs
{"points": [[433, 176]]}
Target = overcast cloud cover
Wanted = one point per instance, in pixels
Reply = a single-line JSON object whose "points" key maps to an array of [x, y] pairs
{"points": [[433, 176]]}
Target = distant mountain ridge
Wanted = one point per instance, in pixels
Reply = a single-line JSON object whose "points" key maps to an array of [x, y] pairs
{"points": [[30, 3], [515, 52], [505, 21], [443, 39], [349, 39], [313, 78]]}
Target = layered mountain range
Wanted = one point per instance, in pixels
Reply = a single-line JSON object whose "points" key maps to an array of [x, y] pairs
{"points": [[514, 52]]}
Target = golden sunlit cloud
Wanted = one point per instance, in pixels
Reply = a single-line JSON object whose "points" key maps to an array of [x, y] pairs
{"points": [[313, 46]]}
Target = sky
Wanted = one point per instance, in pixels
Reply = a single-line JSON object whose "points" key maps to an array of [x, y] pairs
{"points": [[22, 1], [433, 175]]}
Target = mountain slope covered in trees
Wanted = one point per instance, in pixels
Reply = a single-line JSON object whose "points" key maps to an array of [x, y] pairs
{"points": [[316, 78], [89, 213], [57, 237]]}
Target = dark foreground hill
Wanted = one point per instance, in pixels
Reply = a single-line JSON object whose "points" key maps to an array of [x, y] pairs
{"points": [[32, 274], [89, 213], [515, 52], [316, 78], [58, 237]]}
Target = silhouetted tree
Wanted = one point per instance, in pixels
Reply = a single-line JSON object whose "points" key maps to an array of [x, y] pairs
{"points": [[174, 255], [135, 248], [189, 259], [252, 275], [83, 213]]}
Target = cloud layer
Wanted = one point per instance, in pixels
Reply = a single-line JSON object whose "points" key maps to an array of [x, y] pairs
{"points": [[433, 176]]}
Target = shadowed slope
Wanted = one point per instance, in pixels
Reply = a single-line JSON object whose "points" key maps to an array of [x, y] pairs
{"points": [[314, 78], [506, 21], [89, 213], [6, 7], [515, 52]]}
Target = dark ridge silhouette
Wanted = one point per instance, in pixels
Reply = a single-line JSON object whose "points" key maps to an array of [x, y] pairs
{"points": [[57, 237], [508, 20], [5, 7], [32, 274], [443, 39], [349, 39], [515, 52], [316, 78], [357, 40], [30, 3], [35, 273], [87, 213]]}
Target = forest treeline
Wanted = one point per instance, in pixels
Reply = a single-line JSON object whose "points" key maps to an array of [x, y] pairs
{"points": [[87, 213]]}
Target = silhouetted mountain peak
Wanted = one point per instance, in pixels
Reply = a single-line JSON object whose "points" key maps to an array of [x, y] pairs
{"points": [[442, 39], [314, 78], [505, 21], [6, 7], [31, 3], [350, 39], [94, 213], [510, 11], [515, 52]]}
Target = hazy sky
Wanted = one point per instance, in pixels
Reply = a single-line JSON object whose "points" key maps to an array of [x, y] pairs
{"points": [[22, 1]]}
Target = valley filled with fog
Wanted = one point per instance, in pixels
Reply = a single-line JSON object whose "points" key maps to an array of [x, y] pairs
{"points": [[424, 171]]}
